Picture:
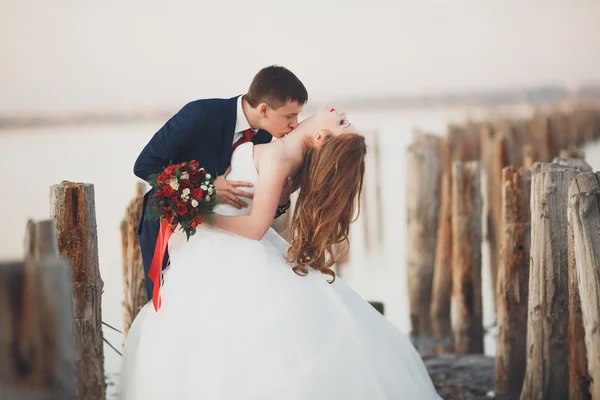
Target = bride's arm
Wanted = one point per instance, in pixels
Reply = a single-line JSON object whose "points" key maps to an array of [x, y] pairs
{"points": [[272, 176]]}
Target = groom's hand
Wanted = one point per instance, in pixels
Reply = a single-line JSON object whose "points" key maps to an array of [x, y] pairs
{"points": [[228, 192]]}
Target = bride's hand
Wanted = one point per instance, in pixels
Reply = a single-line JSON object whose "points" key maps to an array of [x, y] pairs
{"points": [[228, 192]]}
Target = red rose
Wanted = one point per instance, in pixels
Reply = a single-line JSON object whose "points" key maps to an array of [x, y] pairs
{"points": [[184, 183], [181, 210], [196, 180], [162, 179], [195, 222], [194, 164], [179, 202], [197, 193], [183, 164], [170, 169], [166, 191]]}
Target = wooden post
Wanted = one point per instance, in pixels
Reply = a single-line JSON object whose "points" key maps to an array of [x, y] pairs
{"points": [[73, 211], [579, 380], [513, 281], [584, 209], [37, 359], [463, 142], [499, 160], [530, 156], [466, 258], [541, 137], [517, 139], [422, 197], [558, 126], [134, 285], [442, 274], [371, 196], [547, 371]]}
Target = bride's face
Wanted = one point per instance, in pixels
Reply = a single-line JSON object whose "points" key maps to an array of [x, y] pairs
{"points": [[329, 121], [336, 122]]}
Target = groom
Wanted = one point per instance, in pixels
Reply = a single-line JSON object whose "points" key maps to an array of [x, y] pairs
{"points": [[208, 130]]}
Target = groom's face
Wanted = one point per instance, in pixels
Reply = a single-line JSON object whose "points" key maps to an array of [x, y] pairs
{"points": [[281, 121]]}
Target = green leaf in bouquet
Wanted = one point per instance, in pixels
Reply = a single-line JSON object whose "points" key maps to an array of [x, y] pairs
{"points": [[152, 180]]}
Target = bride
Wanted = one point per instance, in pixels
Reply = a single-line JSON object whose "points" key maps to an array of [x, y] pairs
{"points": [[245, 315]]}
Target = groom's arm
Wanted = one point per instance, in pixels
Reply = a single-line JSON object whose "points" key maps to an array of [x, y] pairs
{"points": [[170, 140]]}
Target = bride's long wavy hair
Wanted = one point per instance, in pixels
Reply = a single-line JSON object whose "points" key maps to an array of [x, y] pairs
{"points": [[331, 181]]}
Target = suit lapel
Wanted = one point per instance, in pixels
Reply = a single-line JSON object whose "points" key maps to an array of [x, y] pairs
{"points": [[230, 120]]}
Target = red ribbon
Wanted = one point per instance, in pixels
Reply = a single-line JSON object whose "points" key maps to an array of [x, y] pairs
{"points": [[154, 274]]}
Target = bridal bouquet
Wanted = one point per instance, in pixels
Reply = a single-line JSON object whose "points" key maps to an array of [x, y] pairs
{"points": [[186, 196]]}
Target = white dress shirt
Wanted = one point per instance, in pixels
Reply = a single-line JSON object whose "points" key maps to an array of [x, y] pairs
{"points": [[241, 122]]}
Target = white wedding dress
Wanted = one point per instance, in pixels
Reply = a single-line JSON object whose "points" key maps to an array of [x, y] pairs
{"points": [[236, 323]]}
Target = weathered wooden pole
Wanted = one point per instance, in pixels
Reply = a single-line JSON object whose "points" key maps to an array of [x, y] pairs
{"points": [[500, 159], [73, 211], [541, 137], [547, 371], [579, 380], [558, 126], [466, 258], [584, 209], [513, 281], [133, 272], [442, 275], [37, 357], [530, 156], [422, 197], [371, 200]]}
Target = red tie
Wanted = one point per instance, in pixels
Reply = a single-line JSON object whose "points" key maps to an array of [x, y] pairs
{"points": [[247, 136]]}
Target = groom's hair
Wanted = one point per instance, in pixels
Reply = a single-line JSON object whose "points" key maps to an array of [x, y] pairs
{"points": [[276, 85]]}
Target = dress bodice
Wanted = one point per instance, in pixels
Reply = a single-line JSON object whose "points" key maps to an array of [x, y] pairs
{"points": [[242, 169]]}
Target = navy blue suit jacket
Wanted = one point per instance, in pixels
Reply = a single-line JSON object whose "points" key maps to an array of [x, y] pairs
{"points": [[202, 130]]}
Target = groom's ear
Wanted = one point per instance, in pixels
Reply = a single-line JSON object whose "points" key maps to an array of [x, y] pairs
{"points": [[262, 108]]}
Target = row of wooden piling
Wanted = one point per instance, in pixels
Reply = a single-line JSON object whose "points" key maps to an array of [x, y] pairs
{"points": [[512, 177], [51, 342]]}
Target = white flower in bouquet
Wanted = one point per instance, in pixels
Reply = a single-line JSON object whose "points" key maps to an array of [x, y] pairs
{"points": [[208, 197], [207, 176], [194, 203], [185, 175], [210, 190], [174, 183], [186, 192], [203, 187]]}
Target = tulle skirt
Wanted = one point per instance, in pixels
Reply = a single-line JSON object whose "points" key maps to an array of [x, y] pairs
{"points": [[237, 323]]}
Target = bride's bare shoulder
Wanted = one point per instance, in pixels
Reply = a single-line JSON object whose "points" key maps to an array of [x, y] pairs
{"points": [[269, 155]]}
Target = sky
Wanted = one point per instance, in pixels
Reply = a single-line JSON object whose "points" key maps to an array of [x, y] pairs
{"points": [[72, 56]]}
